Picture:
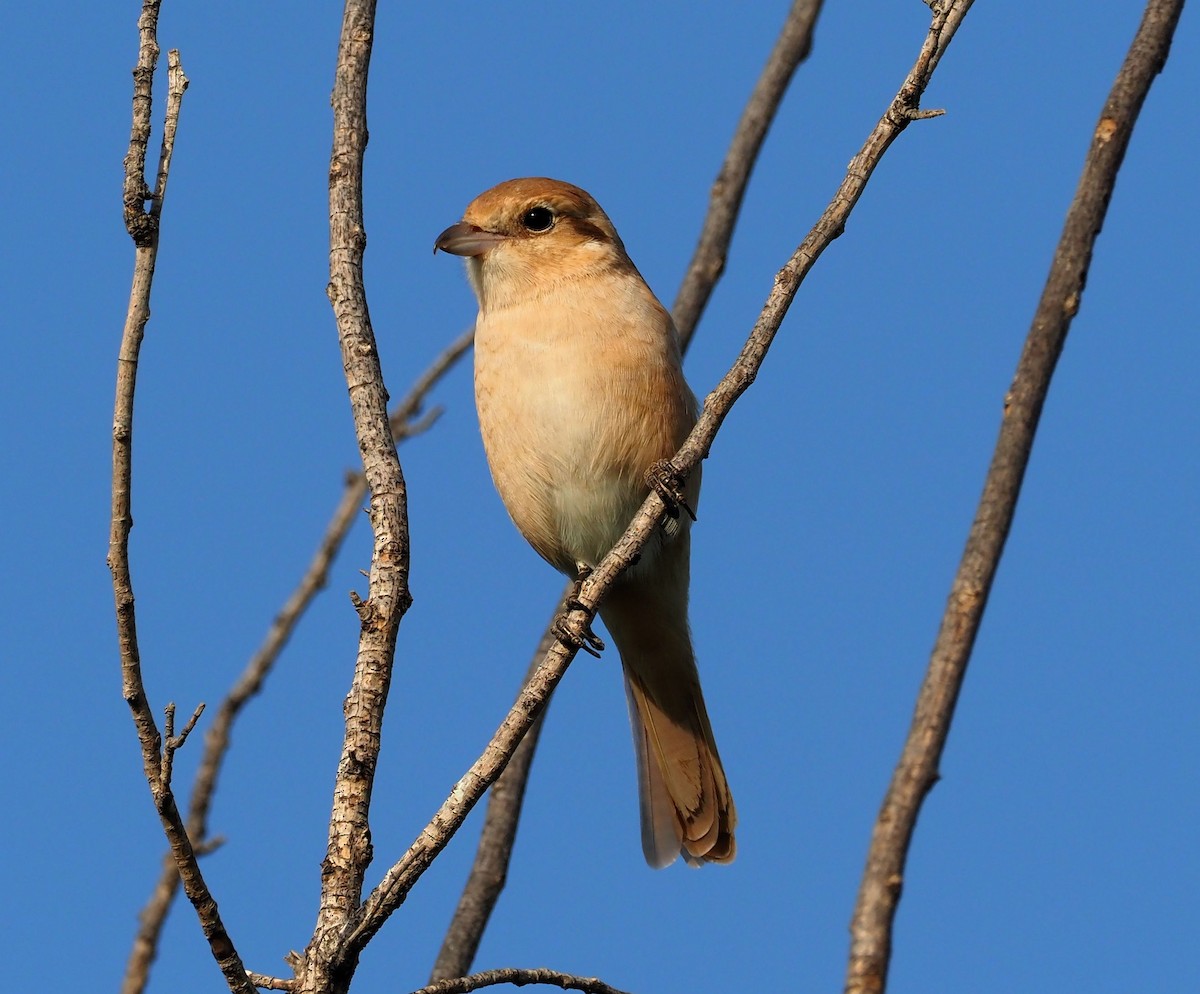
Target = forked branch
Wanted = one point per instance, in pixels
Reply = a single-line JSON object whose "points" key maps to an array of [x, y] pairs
{"points": [[143, 227], [406, 420]]}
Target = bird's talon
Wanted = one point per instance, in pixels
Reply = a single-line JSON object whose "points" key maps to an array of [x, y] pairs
{"points": [[588, 640], [664, 479]]}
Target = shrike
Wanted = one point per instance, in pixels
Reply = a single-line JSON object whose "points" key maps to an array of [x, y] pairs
{"points": [[580, 391]]}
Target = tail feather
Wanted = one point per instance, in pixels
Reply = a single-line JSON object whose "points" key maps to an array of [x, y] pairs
{"points": [[685, 801], [661, 835], [686, 806]]}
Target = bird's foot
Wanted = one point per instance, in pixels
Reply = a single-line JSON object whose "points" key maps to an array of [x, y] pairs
{"points": [[663, 478], [587, 640], [562, 629]]}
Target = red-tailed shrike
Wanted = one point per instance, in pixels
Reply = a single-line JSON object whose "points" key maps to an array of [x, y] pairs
{"points": [[580, 391]]}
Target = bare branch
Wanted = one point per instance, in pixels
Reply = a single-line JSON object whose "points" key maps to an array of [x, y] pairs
{"points": [[490, 870], [399, 880], [494, 852], [917, 771], [404, 418], [520, 978], [388, 598], [725, 201], [150, 922], [349, 849], [250, 682], [176, 742], [263, 982], [172, 742], [143, 227], [391, 892]]}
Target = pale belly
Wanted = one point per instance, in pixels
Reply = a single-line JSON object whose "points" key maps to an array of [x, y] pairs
{"points": [[570, 430], [549, 436], [573, 411]]}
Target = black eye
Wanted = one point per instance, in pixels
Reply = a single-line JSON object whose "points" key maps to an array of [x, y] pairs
{"points": [[538, 218]]}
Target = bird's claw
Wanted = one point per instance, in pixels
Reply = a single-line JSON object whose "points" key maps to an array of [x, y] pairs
{"points": [[663, 478], [587, 640]]}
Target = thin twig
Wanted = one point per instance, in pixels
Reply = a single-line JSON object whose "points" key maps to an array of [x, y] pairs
{"points": [[917, 770], [520, 978], [263, 982], [403, 418], [725, 201], [176, 742], [490, 870], [172, 743], [904, 108], [218, 737], [399, 880], [143, 227], [391, 892]]}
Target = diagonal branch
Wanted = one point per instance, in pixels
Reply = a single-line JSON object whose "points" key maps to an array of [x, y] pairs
{"points": [[725, 201], [143, 227], [917, 771], [490, 869], [493, 854], [218, 737], [396, 884], [391, 892]]}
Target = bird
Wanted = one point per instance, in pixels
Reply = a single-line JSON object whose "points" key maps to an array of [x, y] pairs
{"points": [[580, 391]]}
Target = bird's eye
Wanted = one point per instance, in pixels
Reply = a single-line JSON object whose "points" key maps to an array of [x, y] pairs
{"points": [[538, 219]]}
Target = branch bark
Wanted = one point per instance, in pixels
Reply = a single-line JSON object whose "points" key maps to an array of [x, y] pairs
{"points": [[520, 978], [143, 227], [917, 770], [498, 835], [349, 849], [729, 189], [404, 422], [489, 872], [904, 108]]}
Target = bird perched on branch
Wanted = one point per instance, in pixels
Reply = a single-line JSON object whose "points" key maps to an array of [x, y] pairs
{"points": [[580, 392]]}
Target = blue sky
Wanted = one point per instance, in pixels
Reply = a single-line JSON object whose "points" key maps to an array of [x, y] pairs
{"points": [[1059, 850]]}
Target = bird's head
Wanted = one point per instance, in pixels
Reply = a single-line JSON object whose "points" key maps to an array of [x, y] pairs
{"points": [[526, 235]]}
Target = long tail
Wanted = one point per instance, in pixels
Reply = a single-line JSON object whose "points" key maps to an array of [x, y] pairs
{"points": [[685, 801]]}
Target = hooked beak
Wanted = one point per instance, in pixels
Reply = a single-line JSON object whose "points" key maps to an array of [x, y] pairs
{"points": [[466, 239]]}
